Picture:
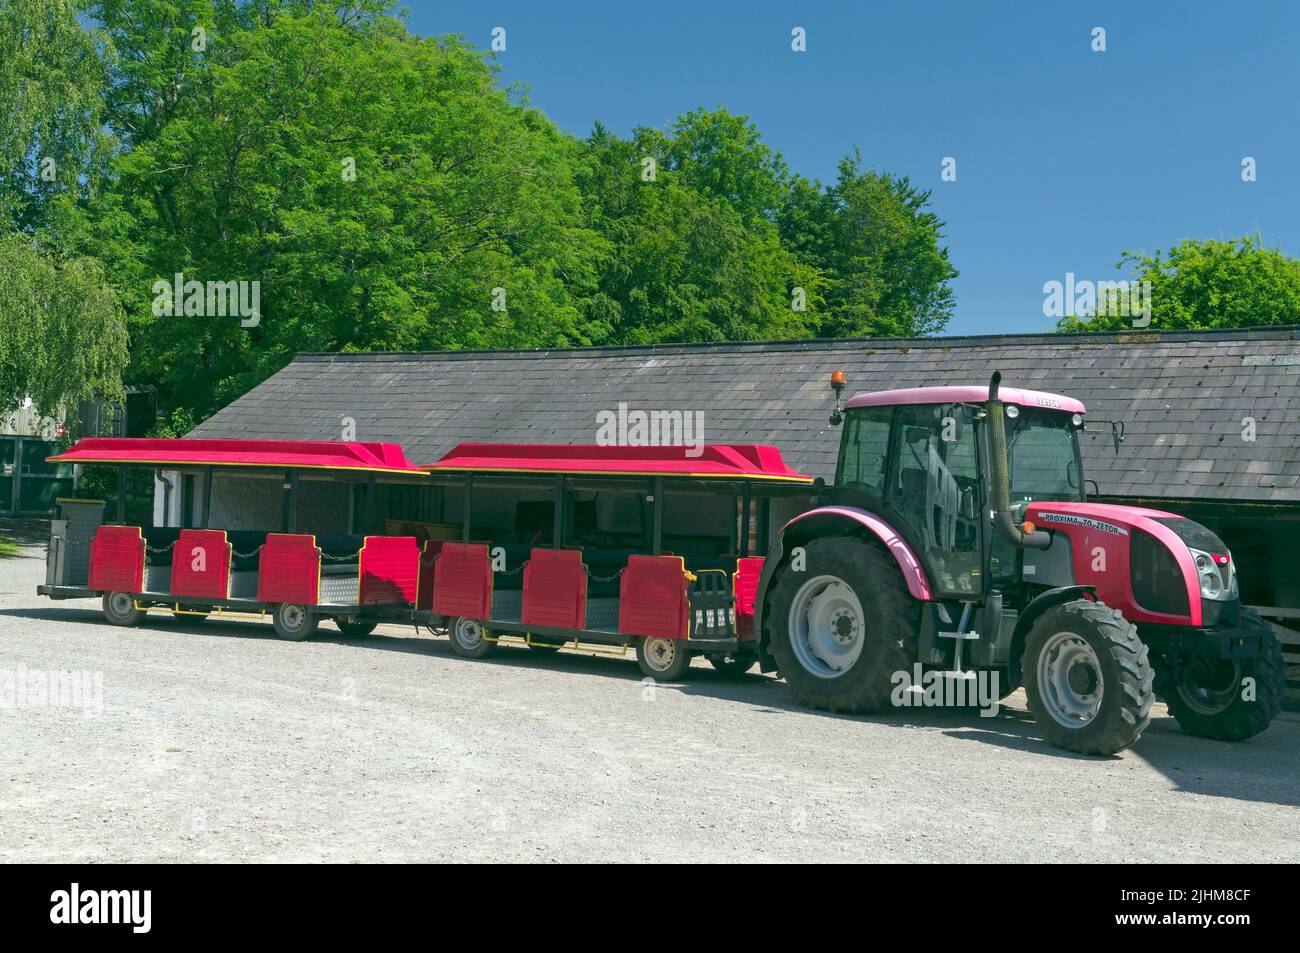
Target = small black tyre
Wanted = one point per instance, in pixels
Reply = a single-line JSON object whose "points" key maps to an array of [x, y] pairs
{"points": [[1208, 699], [1087, 678], [355, 628], [119, 609], [842, 627], [469, 639], [731, 667], [662, 659], [293, 622]]}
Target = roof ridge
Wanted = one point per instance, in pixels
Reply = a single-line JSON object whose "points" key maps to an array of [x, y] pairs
{"points": [[1267, 333]]}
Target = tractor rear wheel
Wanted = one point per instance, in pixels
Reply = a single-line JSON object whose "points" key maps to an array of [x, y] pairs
{"points": [[843, 626], [1206, 695], [1087, 678]]}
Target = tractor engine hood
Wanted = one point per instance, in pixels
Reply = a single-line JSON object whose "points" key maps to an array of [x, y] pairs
{"points": [[1102, 541]]}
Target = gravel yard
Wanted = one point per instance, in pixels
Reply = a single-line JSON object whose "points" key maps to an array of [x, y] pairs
{"points": [[217, 742]]}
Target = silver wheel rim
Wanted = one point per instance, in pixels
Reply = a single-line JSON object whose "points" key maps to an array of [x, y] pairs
{"points": [[120, 604], [292, 617], [660, 653], [468, 633], [1070, 681], [827, 626]]}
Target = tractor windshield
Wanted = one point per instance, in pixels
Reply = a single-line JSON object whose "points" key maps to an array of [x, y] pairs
{"points": [[1043, 457]]}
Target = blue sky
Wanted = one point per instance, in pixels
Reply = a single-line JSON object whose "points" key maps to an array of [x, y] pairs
{"points": [[1065, 157]]}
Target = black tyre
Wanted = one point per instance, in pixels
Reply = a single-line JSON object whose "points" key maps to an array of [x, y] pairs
{"points": [[119, 609], [355, 628], [731, 666], [843, 626], [1087, 678], [664, 660], [1209, 699], [469, 639], [293, 622]]}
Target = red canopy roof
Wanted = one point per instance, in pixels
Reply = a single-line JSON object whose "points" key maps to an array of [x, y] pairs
{"points": [[738, 461], [282, 454]]}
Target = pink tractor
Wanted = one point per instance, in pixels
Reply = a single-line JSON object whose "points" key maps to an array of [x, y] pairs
{"points": [[959, 540]]}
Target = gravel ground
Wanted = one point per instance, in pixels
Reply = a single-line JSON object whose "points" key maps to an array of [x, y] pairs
{"points": [[218, 742]]}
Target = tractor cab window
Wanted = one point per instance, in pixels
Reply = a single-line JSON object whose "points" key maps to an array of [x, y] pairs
{"points": [[864, 449], [933, 486], [1041, 457]]}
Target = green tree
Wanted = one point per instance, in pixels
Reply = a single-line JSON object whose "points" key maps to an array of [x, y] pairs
{"points": [[62, 334], [53, 146], [872, 236], [381, 187], [1204, 284], [690, 254]]}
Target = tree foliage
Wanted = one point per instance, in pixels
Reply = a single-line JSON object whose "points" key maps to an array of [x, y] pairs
{"points": [[62, 333], [386, 192], [1207, 284]]}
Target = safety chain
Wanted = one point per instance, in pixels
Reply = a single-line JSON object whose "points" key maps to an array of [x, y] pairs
{"points": [[340, 559], [163, 549], [595, 578], [240, 555], [510, 572]]}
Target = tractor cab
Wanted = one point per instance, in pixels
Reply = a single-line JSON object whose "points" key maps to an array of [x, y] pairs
{"points": [[920, 457], [959, 539]]}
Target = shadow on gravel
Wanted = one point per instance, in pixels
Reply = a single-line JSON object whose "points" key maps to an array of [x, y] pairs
{"points": [[26, 532], [1262, 769]]}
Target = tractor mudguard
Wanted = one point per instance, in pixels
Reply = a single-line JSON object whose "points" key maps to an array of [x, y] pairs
{"points": [[834, 521], [1040, 604]]}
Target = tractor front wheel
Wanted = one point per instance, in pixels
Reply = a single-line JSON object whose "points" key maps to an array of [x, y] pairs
{"points": [[1230, 699], [843, 626], [1087, 678]]}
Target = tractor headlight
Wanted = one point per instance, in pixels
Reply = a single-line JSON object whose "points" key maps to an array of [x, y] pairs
{"points": [[1217, 579]]}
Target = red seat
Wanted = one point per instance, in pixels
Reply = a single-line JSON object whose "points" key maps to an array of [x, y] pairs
{"points": [[289, 570], [652, 597], [555, 589], [745, 585], [390, 568], [201, 564], [117, 559], [428, 564], [462, 581]]}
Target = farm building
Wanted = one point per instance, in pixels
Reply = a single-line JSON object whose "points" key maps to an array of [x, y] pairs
{"points": [[1211, 420]]}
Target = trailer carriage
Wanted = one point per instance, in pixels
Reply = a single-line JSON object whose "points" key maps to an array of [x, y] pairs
{"points": [[607, 547], [600, 548], [267, 563]]}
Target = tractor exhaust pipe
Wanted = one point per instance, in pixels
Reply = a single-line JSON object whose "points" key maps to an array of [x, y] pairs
{"points": [[1004, 521]]}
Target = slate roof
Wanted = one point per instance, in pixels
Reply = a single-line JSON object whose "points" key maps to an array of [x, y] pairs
{"points": [[1182, 396]]}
